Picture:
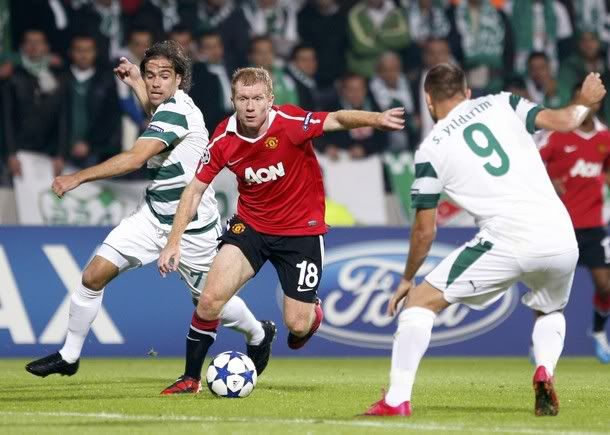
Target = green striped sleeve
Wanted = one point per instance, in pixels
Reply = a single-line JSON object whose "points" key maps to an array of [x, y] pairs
{"points": [[530, 120], [164, 136], [424, 200], [173, 118], [425, 169]]}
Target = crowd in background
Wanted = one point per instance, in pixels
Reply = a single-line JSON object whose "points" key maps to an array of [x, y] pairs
{"points": [[60, 98]]}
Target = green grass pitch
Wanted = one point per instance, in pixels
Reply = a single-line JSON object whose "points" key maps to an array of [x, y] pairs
{"points": [[303, 395]]}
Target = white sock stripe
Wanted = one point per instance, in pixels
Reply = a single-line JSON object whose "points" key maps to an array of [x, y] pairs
{"points": [[210, 333]]}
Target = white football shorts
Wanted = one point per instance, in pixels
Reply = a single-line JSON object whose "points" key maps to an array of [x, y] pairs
{"points": [[479, 272], [137, 241]]}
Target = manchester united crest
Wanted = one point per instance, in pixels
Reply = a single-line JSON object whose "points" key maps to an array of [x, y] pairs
{"points": [[238, 228], [272, 143], [602, 148]]}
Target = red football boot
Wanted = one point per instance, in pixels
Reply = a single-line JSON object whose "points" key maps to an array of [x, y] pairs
{"points": [[295, 342], [183, 385], [382, 409], [546, 398]]}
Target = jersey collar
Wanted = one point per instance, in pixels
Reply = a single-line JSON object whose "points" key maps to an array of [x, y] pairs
{"points": [[232, 127], [597, 127]]}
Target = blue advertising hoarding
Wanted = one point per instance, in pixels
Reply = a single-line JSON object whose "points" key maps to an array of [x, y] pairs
{"points": [[141, 311]]}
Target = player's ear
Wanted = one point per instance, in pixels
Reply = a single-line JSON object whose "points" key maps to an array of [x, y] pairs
{"points": [[178, 80], [468, 93], [271, 99], [428, 100]]}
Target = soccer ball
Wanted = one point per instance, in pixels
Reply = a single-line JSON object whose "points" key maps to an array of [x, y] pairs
{"points": [[231, 374]]}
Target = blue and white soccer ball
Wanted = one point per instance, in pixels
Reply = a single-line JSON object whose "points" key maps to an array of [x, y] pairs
{"points": [[231, 374]]}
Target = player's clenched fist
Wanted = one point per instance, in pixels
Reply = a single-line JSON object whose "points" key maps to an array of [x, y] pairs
{"points": [[593, 90], [127, 71], [168, 259], [64, 183]]}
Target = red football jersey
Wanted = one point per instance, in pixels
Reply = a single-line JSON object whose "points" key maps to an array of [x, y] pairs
{"points": [[579, 160], [279, 179]]}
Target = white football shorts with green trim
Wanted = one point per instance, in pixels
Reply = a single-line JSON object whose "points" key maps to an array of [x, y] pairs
{"points": [[479, 272], [137, 241]]}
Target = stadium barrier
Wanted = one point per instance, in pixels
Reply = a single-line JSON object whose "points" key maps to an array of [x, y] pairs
{"points": [[144, 314]]}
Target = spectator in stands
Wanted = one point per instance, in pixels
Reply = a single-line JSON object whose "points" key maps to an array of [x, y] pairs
{"points": [[540, 82], [7, 57], [91, 106], [276, 19], [52, 17], [359, 142], [590, 16], [543, 25], [435, 51], [135, 119], [226, 18], [32, 99], [374, 26], [390, 88], [481, 39], [183, 36], [587, 58], [262, 54], [160, 17], [302, 69], [105, 21], [211, 90], [426, 19], [323, 25]]}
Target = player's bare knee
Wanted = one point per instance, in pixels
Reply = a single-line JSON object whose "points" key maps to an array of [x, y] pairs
{"points": [[426, 296], [93, 279], [209, 307]]}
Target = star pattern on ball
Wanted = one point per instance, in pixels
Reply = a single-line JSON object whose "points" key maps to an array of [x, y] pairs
{"points": [[222, 373], [248, 377]]}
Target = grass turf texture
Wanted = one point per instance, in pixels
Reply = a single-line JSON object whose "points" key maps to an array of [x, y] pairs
{"points": [[452, 395]]}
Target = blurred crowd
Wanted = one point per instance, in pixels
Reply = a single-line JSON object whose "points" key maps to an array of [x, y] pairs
{"points": [[60, 98]]}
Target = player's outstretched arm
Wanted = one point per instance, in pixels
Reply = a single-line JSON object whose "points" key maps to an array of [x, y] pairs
{"points": [[169, 258], [570, 117], [390, 120], [129, 74], [423, 232], [123, 163]]}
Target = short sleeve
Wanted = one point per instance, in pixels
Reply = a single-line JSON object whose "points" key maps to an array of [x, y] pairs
{"points": [[427, 187], [213, 160], [302, 125], [525, 110], [167, 125]]}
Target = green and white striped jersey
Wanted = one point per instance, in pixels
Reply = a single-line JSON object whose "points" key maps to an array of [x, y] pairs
{"points": [[483, 156], [179, 124]]}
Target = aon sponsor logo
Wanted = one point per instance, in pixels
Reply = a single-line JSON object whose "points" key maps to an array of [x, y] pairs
{"points": [[264, 175], [586, 169]]}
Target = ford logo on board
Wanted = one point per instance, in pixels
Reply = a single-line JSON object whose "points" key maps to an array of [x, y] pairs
{"points": [[358, 281]]}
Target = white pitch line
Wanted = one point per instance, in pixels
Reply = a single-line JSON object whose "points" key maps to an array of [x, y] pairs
{"points": [[390, 424]]}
